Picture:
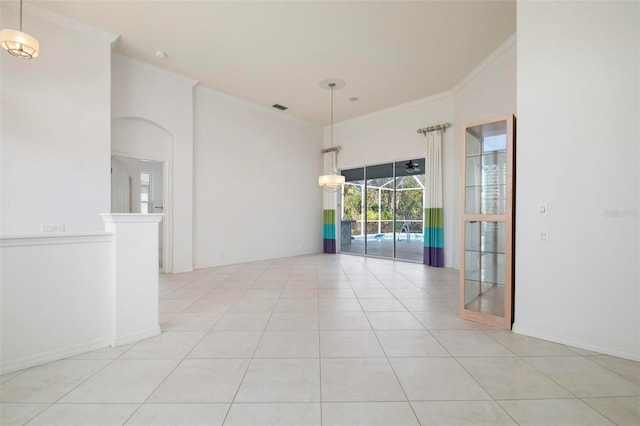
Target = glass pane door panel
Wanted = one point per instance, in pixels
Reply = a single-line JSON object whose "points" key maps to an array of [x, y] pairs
{"points": [[486, 169], [474, 171], [472, 143], [484, 267], [484, 236], [482, 297], [409, 212], [379, 210], [352, 224]]}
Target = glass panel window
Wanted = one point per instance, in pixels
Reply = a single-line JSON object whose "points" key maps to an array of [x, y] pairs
{"points": [[486, 169], [352, 223], [484, 266], [145, 192], [383, 209]]}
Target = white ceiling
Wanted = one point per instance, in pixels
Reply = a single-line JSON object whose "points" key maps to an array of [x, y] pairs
{"points": [[266, 52]]}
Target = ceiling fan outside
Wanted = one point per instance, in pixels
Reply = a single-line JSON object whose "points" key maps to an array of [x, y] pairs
{"points": [[412, 167]]}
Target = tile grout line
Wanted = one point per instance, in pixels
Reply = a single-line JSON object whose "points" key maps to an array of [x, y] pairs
{"points": [[179, 361], [320, 355], [252, 358], [378, 273], [388, 361], [451, 357]]}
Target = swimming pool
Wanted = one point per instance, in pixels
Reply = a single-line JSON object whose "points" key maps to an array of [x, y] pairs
{"points": [[388, 236]]}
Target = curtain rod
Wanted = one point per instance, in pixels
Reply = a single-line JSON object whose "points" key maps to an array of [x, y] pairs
{"points": [[442, 127], [332, 149]]}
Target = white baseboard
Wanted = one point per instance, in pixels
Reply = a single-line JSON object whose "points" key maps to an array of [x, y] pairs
{"points": [[20, 363], [608, 348], [137, 336]]}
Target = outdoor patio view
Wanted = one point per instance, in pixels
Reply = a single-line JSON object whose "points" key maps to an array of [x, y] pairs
{"points": [[382, 210]]}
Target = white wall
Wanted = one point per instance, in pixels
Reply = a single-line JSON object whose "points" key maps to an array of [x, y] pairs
{"points": [[134, 289], [133, 167], [256, 191], [55, 126], [488, 91], [150, 106], [66, 294], [60, 308], [578, 150], [391, 135]]}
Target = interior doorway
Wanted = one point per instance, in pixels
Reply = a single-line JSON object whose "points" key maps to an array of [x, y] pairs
{"points": [[139, 186]]}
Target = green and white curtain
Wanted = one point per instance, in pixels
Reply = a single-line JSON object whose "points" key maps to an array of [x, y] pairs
{"points": [[433, 235], [330, 203], [329, 231]]}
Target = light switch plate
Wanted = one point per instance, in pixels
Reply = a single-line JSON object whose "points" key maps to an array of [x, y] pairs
{"points": [[543, 236], [543, 209]]}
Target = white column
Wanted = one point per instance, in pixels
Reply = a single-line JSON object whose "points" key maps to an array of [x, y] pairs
{"points": [[135, 290]]}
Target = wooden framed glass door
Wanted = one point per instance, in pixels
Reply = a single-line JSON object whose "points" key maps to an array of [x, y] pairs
{"points": [[486, 278]]}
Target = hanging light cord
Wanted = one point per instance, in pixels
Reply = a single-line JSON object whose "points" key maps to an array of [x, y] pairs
{"points": [[20, 15], [332, 85]]}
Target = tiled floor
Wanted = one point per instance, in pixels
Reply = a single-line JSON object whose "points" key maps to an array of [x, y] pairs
{"points": [[324, 340]]}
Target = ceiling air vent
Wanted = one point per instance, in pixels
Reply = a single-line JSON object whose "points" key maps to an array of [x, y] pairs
{"points": [[280, 107]]}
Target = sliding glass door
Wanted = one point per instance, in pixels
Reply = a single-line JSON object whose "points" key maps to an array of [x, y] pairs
{"points": [[379, 217], [382, 208], [409, 186], [352, 224]]}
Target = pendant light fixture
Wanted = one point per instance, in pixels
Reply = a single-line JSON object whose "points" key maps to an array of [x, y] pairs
{"points": [[331, 181], [19, 44]]}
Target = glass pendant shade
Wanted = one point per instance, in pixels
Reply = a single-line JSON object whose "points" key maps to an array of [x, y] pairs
{"points": [[331, 182], [19, 44]]}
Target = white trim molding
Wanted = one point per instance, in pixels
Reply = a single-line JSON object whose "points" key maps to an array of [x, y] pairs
{"points": [[132, 217], [136, 337], [583, 342], [17, 364], [157, 70], [71, 24], [55, 239], [482, 65]]}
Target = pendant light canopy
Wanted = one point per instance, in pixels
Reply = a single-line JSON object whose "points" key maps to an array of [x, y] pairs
{"points": [[332, 181], [19, 44]]}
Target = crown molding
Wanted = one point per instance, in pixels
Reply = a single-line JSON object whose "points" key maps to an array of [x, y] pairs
{"points": [[485, 63], [154, 68], [66, 22], [266, 109], [400, 107]]}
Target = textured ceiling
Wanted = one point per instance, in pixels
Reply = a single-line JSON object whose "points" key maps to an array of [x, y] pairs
{"points": [[266, 52]]}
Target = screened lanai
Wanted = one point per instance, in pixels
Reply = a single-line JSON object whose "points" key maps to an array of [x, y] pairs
{"points": [[382, 210]]}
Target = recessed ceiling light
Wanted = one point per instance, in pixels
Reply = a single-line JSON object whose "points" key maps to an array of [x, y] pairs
{"points": [[161, 54], [353, 99]]}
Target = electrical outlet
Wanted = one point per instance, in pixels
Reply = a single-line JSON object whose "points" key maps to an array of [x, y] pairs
{"points": [[52, 228]]}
